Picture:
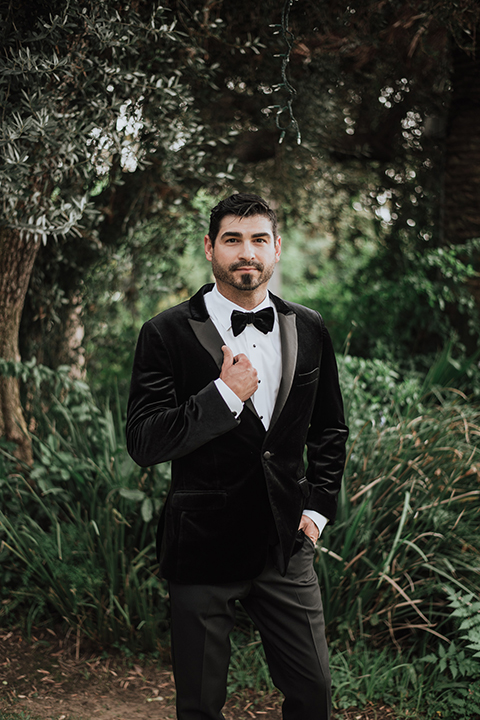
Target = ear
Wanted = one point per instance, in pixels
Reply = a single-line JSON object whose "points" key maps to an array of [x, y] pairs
{"points": [[208, 248], [278, 248]]}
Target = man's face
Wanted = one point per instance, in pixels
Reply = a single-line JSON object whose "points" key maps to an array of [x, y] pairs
{"points": [[244, 254]]}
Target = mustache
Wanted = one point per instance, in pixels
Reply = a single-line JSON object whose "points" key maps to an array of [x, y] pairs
{"points": [[240, 264]]}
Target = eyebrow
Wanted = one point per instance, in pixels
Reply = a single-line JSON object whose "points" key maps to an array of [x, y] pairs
{"points": [[227, 233]]}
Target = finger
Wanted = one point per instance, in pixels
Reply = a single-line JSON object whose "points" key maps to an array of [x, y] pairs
{"points": [[228, 359]]}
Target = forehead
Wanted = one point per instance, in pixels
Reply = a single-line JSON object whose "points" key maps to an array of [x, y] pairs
{"points": [[246, 225]]}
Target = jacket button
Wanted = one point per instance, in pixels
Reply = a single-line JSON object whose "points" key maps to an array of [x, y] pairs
{"points": [[267, 455]]}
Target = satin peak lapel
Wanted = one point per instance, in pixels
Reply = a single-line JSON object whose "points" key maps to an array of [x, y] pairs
{"points": [[209, 337], [288, 334]]}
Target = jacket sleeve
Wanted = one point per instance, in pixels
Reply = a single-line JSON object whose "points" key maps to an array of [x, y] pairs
{"points": [[159, 428], [327, 437]]}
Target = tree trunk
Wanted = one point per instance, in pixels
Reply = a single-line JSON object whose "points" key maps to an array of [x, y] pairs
{"points": [[51, 328], [462, 172], [462, 169], [17, 256]]}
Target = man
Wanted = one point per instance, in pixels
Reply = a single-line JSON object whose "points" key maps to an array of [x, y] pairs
{"points": [[233, 398]]}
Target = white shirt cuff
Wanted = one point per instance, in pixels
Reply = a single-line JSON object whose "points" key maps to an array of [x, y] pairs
{"points": [[233, 401], [319, 520]]}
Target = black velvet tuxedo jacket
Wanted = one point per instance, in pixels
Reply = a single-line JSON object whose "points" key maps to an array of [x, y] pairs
{"points": [[233, 482]]}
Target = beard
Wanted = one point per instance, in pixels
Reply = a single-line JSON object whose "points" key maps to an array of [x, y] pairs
{"points": [[245, 281]]}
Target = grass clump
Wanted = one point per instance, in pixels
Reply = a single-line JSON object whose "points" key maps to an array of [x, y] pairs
{"points": [[407, 524], [77, 530]]}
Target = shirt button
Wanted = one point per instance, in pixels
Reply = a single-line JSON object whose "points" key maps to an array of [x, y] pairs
{"points": [[267, 455]]}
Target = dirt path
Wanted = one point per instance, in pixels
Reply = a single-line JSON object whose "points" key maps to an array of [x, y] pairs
{"points": [[52, 678]]}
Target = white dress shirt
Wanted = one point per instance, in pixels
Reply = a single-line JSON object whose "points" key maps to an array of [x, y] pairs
{"points": [[264, 352]]}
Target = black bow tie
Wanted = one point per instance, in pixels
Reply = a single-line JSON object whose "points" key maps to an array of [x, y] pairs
{"points": [[263, 320]]}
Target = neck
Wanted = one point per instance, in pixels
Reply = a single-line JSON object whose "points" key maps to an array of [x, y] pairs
{"points": [[246, 299]]}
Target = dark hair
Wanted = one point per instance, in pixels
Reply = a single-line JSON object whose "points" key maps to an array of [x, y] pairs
{"points": [[241, 205]]}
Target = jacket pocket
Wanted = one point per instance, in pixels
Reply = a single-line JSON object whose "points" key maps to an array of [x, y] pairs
{"points": [[199, 500], [307, 377], [303, 485]]}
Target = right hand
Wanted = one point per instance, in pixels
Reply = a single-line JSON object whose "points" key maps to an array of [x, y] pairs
{"points": [[239, 374]]}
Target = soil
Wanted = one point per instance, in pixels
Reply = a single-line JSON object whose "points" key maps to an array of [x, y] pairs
{"points": [[51, 677]]}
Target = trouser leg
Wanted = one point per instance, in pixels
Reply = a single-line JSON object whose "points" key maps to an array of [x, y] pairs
{"points": [[202, 617], [289, 615]]}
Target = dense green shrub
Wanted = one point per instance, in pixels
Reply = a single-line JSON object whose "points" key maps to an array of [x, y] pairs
{"points": [[386, 296], [407, 522], [78, 529]]}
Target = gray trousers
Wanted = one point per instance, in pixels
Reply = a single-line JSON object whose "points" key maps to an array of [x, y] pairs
{"points": [[289, 615]]}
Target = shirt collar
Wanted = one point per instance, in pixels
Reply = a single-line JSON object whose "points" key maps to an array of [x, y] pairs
{"points": [[222, 308]]}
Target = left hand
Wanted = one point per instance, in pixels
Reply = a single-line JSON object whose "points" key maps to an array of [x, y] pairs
{"points": [[309, 528]]}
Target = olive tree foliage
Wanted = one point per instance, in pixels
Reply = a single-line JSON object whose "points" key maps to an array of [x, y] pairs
{"points": [[89, 91], [86, 88]]}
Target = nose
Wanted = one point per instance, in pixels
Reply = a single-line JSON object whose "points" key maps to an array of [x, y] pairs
{"points": [[248, 250]]}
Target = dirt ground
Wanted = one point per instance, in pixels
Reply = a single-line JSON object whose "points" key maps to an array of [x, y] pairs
{"points": [[54, 678]]}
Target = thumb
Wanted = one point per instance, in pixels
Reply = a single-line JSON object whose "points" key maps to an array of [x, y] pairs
{"points": [[227, 357]]}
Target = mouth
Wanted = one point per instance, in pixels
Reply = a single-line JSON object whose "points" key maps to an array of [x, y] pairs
{"points": [[245, 268]]}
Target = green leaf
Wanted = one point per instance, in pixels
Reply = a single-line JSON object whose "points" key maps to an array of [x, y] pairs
{"points": [[135, 495], [147, 510]]}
